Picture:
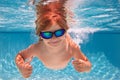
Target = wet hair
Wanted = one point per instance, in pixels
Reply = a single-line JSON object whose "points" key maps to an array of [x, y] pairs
{"points": [[50, 12]]}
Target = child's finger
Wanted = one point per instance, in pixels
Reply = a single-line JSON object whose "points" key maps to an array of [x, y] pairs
{"points": [[75, 64], [81, 61], [78, 61], [75, 61], [27, 65], [19, 60]]}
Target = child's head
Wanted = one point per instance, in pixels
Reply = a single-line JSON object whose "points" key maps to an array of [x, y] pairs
{"points": [[49, 14]]}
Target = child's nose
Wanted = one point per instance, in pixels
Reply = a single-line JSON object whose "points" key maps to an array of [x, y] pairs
{"points": [[54, 37]]}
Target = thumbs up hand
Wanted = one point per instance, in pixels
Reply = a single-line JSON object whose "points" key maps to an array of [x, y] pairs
{"points": [[80, 65], [24, 66]]}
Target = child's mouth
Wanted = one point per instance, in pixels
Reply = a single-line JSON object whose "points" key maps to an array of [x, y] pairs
{"points": [[54, 43]]}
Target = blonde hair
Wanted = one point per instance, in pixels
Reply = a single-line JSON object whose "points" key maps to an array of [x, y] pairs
{"points": [[50, 12]]}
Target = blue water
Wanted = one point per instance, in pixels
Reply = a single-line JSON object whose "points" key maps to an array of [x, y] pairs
{"points": [[98, 34]]}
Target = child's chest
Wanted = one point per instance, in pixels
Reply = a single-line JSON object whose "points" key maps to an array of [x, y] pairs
{"points": [[55, 61]]}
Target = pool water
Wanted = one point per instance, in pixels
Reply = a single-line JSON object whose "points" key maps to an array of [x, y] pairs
{"points": [[97, 32]]}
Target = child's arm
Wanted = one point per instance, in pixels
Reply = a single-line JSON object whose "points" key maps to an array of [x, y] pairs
{"points": [[24, 67], [81, 63], [27, 53]]}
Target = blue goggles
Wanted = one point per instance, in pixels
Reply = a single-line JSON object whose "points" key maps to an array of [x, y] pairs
{"points": [[48, 34]]}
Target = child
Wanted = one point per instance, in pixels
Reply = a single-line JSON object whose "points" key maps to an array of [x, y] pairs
{"points": [[55, 47]]}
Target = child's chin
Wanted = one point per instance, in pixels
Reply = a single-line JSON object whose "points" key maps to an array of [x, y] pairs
{"points": [[55, 44]]}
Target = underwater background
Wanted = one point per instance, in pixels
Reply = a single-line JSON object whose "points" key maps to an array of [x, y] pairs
{"points": [[96, 31]]}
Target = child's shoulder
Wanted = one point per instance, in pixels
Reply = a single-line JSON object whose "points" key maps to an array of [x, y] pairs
{"points": [[33, 46], [72, 45], [71, 41], [32, 49]]}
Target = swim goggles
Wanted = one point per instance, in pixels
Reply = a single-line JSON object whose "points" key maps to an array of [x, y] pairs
{"points": [[49, 34]]}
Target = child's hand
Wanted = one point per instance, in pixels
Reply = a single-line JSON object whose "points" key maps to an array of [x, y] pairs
{"points": [[79, 65], [24, 67]]}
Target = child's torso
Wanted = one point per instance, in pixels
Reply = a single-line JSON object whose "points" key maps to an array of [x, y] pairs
{"points": [[56, 60]]}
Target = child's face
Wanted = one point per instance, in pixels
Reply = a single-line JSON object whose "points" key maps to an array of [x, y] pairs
{"points": [[54, 41]]}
